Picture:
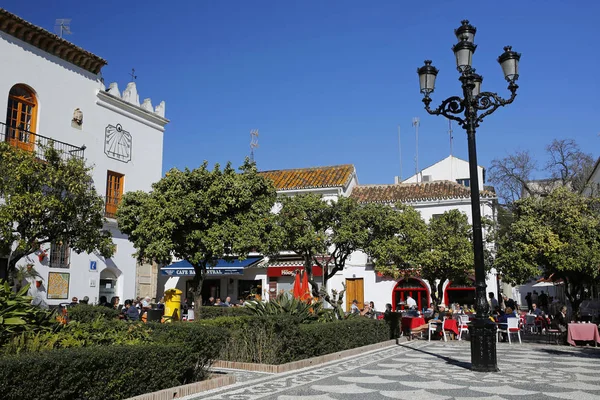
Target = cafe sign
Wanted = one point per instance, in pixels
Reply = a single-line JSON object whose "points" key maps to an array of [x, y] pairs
{"points": [[291, 271]]}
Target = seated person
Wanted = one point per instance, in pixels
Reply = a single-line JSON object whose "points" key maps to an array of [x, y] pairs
{"points": [[537, 311], [560, 320], [503, 323]]}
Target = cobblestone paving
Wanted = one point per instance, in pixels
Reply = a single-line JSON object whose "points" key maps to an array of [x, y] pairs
{"points": [[433, 371]]}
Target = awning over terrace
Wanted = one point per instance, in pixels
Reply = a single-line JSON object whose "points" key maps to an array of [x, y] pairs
{"points": [[229, 266]]}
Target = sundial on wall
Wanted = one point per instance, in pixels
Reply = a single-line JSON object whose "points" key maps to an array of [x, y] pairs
{"points": [[117, 143]]}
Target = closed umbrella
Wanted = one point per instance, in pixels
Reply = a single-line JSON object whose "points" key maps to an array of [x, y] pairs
{"points": [[297, 286], [305, 289]]}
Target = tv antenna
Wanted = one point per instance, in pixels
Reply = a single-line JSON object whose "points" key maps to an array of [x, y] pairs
{"points": [[253, 142], [62, 27], [400, 153], [133, 75], [416, 122]]}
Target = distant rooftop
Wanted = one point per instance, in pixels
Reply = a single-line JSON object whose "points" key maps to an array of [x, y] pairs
{"points": [[414, 192], [311, 178]]}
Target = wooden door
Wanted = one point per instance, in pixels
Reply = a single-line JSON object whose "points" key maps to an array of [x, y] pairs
{"points": [[114, 192], [21, 118], [355, 291]]}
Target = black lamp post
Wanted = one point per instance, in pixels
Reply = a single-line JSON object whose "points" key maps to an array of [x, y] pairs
{"points": [[466, 112]]}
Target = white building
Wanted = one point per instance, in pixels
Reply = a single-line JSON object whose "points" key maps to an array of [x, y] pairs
{"points": [[592, 185], [451, 169], [59, 90]]}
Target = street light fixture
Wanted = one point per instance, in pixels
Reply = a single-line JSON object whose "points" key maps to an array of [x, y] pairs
{"points": [[465, 111]]}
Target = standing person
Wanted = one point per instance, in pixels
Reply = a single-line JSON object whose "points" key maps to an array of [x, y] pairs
{"points": [[529, 301], [508, 303], [543, 297], [535, 297], [411, 303], [493, 301]]}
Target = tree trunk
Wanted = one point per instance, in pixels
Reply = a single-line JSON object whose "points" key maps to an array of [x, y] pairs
{"points": [[196, 289]]}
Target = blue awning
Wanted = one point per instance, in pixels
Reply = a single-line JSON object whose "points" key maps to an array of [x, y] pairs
{"points": [[232, 266]]}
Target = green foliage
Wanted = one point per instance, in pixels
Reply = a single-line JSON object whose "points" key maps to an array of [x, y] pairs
{"points": [[209, 312], [199, 215], [89, 313], [51, 201], [451, 254], [17, 315], [22, 273], [398, 251], [557, 235], [288, 305], [97, 373], [279, 339], [319, 339], [327, 233]]}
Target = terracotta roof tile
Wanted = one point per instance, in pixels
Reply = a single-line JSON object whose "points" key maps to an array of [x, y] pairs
{"points": [[49, 42], [413, 192], [310, 178]]}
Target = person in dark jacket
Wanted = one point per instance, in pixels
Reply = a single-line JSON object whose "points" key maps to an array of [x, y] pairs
{"points": [[131, 312]]}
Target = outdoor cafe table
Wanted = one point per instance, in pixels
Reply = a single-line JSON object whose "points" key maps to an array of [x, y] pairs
{"points": [[587, 332], [451, 325], [410, 323]]}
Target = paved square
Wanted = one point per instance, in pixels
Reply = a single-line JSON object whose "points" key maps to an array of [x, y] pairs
{"points": [[434, 371]]}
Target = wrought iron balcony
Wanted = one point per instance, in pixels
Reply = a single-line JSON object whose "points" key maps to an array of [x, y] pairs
{"points": [[38, 144]]}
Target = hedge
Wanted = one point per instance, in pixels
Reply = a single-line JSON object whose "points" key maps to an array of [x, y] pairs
{"points": [[96, 373], [88, 313], [281, 339], [210, 312], [157, 356]]}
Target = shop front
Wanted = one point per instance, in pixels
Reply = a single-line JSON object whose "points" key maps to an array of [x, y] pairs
{"points": [[234, 278], [460, 293], [412, 287], [281, 276]]}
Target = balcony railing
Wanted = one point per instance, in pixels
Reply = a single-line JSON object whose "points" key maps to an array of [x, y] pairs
{"points": [[38, 144]]}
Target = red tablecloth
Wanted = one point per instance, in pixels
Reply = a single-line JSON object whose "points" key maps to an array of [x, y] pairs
{"points": [[582, 332], [410, 323], [451, 325]]}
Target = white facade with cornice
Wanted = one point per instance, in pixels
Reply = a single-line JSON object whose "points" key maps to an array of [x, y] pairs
{"points": [[120, 135]]}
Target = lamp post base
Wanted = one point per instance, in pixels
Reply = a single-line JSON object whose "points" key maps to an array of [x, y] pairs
{"points": [[483, 345]]}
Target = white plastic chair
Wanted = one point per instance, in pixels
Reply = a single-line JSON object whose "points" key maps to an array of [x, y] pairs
{"points": [[433, 327], [463, 326], [512, 327]]}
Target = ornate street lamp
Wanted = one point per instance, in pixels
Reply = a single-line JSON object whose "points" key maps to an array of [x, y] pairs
{"points": [[466, 111]]}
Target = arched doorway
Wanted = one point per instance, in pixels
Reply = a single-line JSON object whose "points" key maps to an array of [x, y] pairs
{"points": [[410, 287], [461, 293], [108, 284], [21, 117]]}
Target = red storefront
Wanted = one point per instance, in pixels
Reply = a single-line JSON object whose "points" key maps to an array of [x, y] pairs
{"points": [[281, 277], [412, 287], [460, 293]]}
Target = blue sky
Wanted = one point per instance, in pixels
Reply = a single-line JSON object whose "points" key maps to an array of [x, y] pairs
{"points": [[328, 82]]}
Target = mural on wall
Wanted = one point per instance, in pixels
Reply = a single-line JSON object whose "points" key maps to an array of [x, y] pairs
{"points": [[58, 285], [117, 143]]}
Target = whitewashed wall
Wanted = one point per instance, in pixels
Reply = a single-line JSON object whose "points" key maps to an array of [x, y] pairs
{"points": [[449, 169], [60, 88]]}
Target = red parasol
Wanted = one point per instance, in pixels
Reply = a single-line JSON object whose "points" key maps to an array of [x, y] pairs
{"points": [[305, 289], [297, 287]]}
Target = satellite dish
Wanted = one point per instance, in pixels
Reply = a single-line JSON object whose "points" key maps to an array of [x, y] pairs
{"points": [[62, 26]]}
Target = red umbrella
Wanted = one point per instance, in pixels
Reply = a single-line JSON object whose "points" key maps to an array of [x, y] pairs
{"points": [[297, 287], [305, 289]]}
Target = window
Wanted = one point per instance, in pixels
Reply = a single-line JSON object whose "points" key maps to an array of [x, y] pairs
{"points": [[465, 182], [114, 192], [21, 115], [59, 255]]}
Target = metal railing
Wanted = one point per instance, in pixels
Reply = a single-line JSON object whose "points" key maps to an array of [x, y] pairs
{"points": [[38, 144]]}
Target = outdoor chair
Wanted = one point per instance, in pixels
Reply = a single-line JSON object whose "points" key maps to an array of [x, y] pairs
{"points": [[512, 327], [530, 323], [463, 325], [434, 326]]}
